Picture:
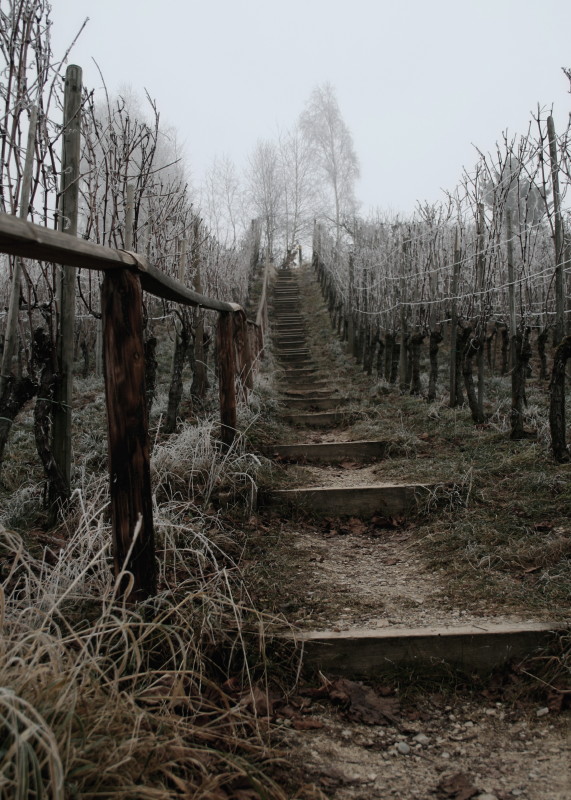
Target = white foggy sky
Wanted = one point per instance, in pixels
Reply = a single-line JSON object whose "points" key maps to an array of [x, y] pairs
{"points": [[419, 82]]}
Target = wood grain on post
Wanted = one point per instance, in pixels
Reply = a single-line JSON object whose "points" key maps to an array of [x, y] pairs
{"points": [[454, 322], [558, 225], [511, 288], [127, 425], [67, 223], [226, 376], [243, 352]]}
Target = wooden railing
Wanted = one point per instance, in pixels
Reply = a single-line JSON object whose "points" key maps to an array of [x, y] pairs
{"points": [[239, 341]]}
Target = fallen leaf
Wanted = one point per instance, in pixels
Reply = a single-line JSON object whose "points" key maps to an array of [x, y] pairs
{"points": [[349, 464], [364, 704], [306, 723], [541, 527], [258, 702], [458, 786]]}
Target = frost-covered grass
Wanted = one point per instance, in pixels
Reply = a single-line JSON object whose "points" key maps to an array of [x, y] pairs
{"points": [[101, 699]]}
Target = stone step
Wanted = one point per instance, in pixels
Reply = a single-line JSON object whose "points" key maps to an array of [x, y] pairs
{"points": [[479, 647], [330, 452]]}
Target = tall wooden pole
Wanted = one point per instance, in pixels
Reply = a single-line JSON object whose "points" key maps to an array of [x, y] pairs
{"points": [[481, 280], [511, 289], [558, 223], [198, 388], [67, 222], [454, 321], [127, 426], [226, 376]]}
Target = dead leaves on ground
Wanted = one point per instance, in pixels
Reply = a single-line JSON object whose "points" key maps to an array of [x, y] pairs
{"points": [[357, 701], [457, 787], [355, 526]]}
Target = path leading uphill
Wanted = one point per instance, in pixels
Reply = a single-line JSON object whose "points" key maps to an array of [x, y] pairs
{"points": [[380, 609]]}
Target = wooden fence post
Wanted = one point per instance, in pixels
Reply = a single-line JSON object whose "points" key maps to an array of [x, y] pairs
{"points": [[454, 377], [243, 352], [559, 235], [127, 425], [67, 222], [226, 376]]}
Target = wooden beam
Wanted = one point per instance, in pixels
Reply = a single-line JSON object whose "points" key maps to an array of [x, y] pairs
{"points": [[18, 237]]}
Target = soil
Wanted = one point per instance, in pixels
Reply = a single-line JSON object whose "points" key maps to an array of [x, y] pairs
{"points": [[494, 750]]}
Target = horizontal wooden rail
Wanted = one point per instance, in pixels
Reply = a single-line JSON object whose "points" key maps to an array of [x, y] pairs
{"points": [[25, 239]]}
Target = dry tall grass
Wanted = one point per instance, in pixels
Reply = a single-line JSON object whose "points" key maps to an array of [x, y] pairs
{"points": [[102, 700]]}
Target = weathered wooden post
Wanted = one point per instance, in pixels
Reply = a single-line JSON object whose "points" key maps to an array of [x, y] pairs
{"points": [[559, 235], [199, 378], [127, 425], [480, 285], [226, 376], [454, 323], [243, 353], [67, 222]]}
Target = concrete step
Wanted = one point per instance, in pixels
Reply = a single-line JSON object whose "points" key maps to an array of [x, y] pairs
{"points": [[330, 452], [384, 499], [479, 647]]}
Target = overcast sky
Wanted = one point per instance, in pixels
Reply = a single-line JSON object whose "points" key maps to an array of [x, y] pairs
{"points": [[419, 82]]}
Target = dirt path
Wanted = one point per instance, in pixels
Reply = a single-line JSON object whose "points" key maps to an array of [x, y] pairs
{"points": [[372, 573]]}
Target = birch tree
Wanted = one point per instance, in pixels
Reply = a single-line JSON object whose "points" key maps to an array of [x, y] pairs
{"points": [[332, 145]]}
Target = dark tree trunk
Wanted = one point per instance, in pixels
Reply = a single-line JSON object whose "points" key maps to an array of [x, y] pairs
{"points": [[541, 347], [435, 339], [395, 360], [17, 392], [472, 349], [151, 366], [461, 344], [389, 350], [557, 402], [44, 359], [182, 342], [380, 356], [415, 345], [408, 349], [489, 342], [519, 374], [505, 350], [369, 354], [85, 356]]}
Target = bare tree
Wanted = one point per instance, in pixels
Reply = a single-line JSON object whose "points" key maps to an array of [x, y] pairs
{"points": [[330, 139], [265, 189]]}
